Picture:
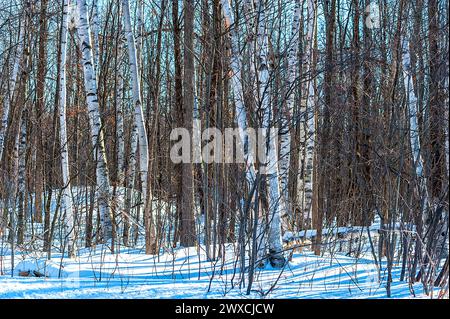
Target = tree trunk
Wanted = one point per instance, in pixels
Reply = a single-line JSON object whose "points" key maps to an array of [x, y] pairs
{"points": [[7, 101], [188, 237], [307, 113], [40, 106], [269, 136], [139, 122], [98, 143], [66, 200], [286, 116]]}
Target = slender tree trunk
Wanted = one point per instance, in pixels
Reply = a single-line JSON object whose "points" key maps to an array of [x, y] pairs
{"points": [[139, 122], [269, 136], [98, 143], [188, 237], [40, 106], [412, 112], [178, 111], [11, 87], [22, 146], [66, 200], [286, 116], [307, 112], [241, 120], [436, 100], [236, 84]]}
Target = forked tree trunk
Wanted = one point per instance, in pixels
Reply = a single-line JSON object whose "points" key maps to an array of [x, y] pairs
{"points": [[269, 137], [241, 119], [98, 143], [236, 84], [139, 126]]}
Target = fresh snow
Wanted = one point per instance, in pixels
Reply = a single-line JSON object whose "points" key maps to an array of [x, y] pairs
{"points": [[184, 273]]}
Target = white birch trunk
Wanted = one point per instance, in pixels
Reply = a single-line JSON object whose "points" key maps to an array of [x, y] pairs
{"points": [[413, 124], [103, 186], [236, 83], [241, 119], [286, 115], [196, 131], [131, 172], [139, 120], [11, 88], [66, 199], [412, 109], [269, 134], [120, 120], [307, 110], [120, 130]]}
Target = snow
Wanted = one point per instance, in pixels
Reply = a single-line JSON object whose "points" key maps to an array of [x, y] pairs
{"points": [[185, 273], [48, 268]]}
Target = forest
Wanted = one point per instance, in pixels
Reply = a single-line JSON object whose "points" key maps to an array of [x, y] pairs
{"points": [[224, 148]]}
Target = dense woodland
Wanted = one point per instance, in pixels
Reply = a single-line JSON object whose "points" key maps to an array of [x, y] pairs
{"points": [[91, 91]]}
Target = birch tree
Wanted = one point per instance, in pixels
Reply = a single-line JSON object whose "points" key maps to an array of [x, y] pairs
{"points": [[139, 121], [245, 140], [412, 110], [90, 84], [307, 111], [270, 167], [236, 84], [286, 116], [66, 198], [119, 87]]}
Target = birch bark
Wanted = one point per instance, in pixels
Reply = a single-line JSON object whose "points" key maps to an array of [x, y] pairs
{"points": [[90, 84], [269, 134], [236, 83], [412, 109], [66, 199], [286, 116], [241, 119], [307, 124], [139, 121]]}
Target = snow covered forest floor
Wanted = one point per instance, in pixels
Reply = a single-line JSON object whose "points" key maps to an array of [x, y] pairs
{"points": [[186, 273]]}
